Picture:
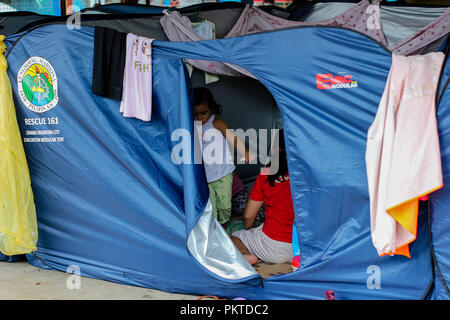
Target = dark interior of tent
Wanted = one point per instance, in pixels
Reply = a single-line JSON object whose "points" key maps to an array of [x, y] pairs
{"points": [[245, 102]]}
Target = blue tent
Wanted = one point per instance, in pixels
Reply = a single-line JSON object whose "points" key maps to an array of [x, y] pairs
{"points": [[110, 200], [439, 220]]}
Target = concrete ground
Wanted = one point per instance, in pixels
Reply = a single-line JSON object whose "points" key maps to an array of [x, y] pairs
{"points": [[22, 281]]}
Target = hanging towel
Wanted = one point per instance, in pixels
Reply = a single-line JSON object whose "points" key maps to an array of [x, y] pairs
{"points": [[18, 226], [137, 80], [403, 159], [179, 28], [206, 30]]}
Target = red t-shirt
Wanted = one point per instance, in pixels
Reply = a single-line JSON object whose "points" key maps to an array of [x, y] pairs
{"points": [[279, 209]]}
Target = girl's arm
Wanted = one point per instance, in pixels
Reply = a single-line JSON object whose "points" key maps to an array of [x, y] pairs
{"points": [[233, 139], [250, 213]]}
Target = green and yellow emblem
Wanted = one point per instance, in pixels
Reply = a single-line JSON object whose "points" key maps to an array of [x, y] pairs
{"points": [[37, 85]]}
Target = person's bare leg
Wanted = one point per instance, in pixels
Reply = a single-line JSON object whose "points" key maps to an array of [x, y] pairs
{"points": [[243, 249]]}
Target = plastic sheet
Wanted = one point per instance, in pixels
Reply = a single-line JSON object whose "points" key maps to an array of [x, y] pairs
{"points": [[18, 227]]}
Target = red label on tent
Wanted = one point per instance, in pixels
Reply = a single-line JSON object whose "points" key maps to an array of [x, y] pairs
{"points": [[328, 81]]}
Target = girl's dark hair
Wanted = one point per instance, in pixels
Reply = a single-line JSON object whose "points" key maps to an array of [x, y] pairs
{"points": [[203, 95], [282, 163]]}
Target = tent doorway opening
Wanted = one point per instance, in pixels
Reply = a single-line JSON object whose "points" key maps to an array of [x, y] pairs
{"points": [[249, 109]]}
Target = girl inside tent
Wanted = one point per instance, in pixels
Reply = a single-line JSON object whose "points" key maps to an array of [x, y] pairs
{"points": [[217, 159], [272, 241]]}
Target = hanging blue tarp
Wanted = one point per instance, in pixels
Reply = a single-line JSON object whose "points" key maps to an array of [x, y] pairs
{"points": [[110, 200]]}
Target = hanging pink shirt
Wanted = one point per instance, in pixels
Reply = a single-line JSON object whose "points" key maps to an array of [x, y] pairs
{"points": [[137, 79]]}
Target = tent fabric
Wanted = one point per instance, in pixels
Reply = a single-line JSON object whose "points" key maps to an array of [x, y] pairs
{"points": [[406, 30], [179, 28], [360, 17], [363, 17], [123, 8], [133, 244], [440, 202], [151, 9], [253, 20], [18, 229], [405, 21], [233, 92], [150, 26], [397, 22], [138, 235], [143, 24], [433, 31], [236, 94], [12, 22], [307, 137]]}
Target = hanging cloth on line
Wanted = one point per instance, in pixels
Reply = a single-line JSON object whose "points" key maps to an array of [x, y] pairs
{"points": [[364, 17], [109, 62], [18, 226], [123, 71], [253, 20], [137, 80], [179, 28], [206, 30], [403, 160]]}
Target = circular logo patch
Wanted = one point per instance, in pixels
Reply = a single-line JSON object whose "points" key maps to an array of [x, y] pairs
{"points": [[37, 85]]}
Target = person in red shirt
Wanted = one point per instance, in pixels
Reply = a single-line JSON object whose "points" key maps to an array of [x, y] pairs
{"points": [[272, 241]]}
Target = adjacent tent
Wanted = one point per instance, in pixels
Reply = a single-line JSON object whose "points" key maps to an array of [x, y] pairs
{"points": [[124, 8], [13, 22], [438, 219], [158, 231]]}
